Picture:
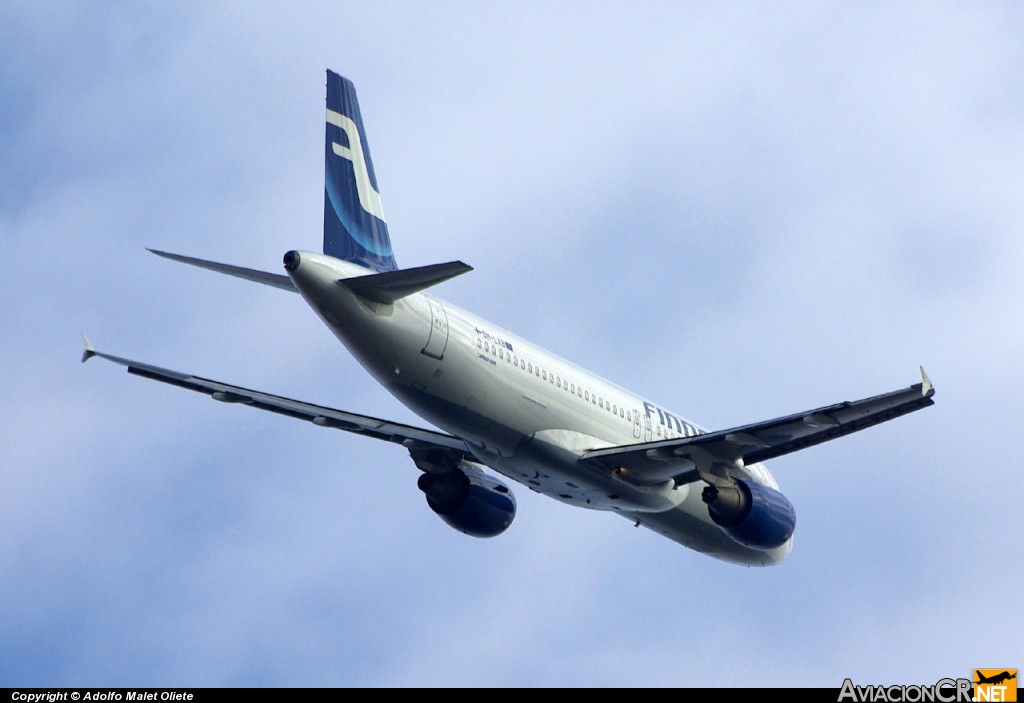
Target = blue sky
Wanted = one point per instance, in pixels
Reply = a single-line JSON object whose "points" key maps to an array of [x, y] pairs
{"points": [[739, 210]]}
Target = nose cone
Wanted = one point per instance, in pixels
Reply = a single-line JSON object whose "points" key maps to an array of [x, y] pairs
{"points": [[291, 260]]}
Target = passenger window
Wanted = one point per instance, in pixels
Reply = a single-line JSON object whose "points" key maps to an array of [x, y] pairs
{"points": [[600, 403], [530, 369], [574, 389], [586, 395], [629, 416], [558, 381]]}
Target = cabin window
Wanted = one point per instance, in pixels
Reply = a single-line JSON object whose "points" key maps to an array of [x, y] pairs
{"points": [[586, 395], [593, 399], [574, 389], [600, 403], [530, 368], [629, 416], [558, 381], [501, 353]]}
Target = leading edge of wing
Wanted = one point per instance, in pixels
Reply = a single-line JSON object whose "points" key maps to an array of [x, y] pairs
{"points": [[760, 441], [276, 280], [397, 433]]}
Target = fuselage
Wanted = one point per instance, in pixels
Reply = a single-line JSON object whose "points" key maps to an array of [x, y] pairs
{"points": [[524, 412]]}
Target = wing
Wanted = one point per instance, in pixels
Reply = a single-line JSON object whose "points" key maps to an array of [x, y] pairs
{"points": [[406, 435], [681, 459]]}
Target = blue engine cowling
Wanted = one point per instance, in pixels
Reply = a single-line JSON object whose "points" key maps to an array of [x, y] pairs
{"points": [[474, 503], [753, 515]]}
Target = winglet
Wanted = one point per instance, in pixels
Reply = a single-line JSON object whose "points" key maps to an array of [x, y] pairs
{"points": [[90, 351], [927, 389]]}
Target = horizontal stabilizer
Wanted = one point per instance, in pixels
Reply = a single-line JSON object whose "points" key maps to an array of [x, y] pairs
{"points": [[390, 286], [276, 280]]}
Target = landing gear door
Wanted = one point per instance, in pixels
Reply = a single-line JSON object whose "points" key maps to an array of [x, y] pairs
{"points": [[437, 342]]}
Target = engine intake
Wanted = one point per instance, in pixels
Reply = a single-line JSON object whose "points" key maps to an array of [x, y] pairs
{"points": [[467, 499], [751, 514]]}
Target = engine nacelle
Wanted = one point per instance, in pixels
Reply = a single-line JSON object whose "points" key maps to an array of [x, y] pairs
{"points": [[474, 503], [753, 515]]}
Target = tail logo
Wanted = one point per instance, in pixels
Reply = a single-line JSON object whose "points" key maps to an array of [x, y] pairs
{"points": [[369, 198]]}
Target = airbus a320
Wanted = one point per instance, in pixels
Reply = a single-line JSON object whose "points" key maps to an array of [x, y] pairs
{"points": [[507, 407]]}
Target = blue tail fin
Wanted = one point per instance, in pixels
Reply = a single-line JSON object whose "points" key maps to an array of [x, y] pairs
{"points": [[354, 226]]}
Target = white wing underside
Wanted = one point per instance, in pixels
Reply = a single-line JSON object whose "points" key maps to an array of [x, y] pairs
{"points": [[408, 436], [683, 458]]}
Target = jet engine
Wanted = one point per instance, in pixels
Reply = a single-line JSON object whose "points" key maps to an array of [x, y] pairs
{"points": [[474, 503], [753, 515]]}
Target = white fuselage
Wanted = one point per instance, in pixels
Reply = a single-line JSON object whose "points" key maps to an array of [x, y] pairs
{"points": [[523, 412]]}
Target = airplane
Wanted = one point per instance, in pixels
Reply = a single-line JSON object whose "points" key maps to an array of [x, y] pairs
{"points": [[995, 679], [506, 406]]}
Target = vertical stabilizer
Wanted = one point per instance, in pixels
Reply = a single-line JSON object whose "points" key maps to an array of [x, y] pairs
{"points": [[354, 226]]}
